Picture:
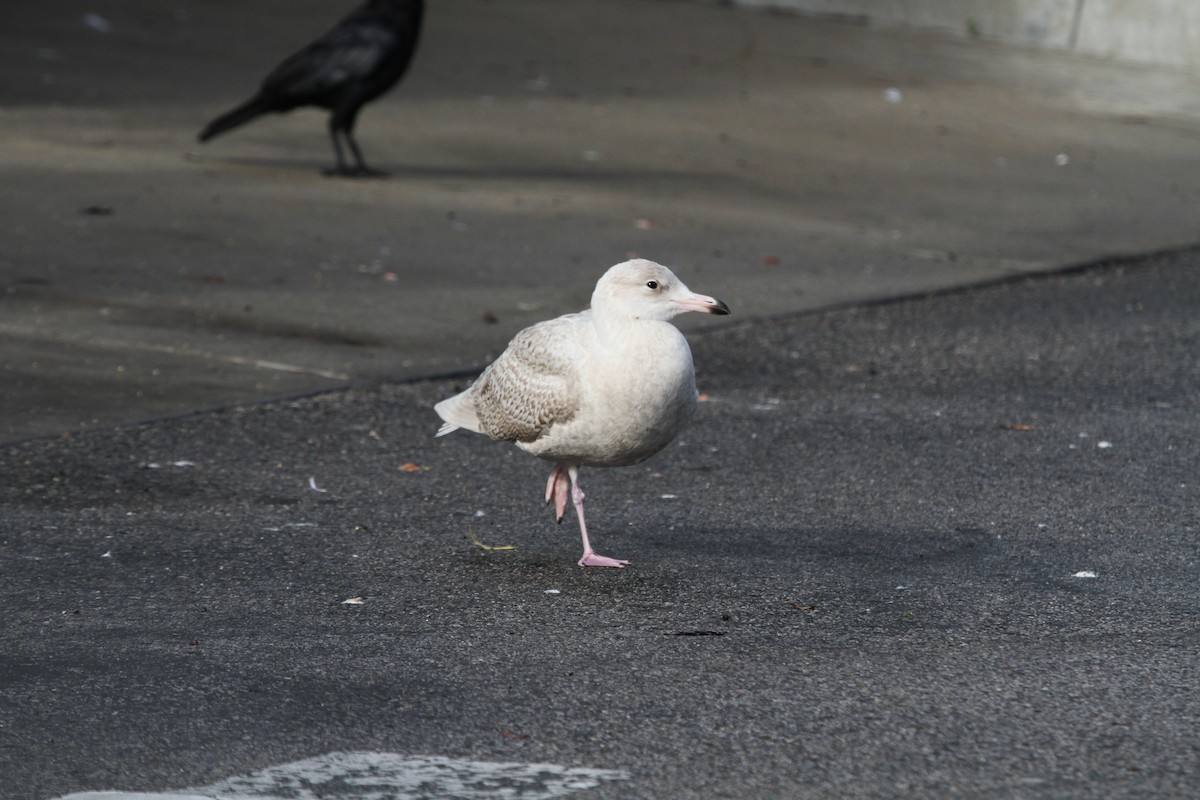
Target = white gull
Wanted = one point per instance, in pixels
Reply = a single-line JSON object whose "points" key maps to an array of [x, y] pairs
{"points": [[606, 387]]}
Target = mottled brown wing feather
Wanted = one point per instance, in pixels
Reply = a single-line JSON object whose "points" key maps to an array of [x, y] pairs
{"points": [[533, 384]]}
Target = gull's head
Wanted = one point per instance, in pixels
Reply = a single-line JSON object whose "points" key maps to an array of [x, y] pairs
{"points": [[641, 289]]}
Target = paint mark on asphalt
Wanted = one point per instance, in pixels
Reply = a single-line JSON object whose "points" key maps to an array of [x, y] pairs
{"points": [[387, 776]]}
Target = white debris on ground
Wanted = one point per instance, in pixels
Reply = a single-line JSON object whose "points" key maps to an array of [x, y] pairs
{"points": [[97, 23], [375, 776]]}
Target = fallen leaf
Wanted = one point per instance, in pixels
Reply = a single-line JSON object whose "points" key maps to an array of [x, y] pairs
{"points": [[411, 467], [1020, 426], [770, 261], [507, 734], [475, 541], [353, 601]]}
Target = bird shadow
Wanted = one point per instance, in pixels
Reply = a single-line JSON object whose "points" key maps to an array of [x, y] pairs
{"points": [[538, 173], [861, 547]]}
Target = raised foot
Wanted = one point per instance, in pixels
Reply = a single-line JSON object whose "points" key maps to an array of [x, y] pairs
{"points": [[595, 560], [557, 489]]}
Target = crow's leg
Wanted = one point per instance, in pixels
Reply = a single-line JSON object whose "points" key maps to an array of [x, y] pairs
{"points": [[342, 122], [334, 133], [363, 169]]}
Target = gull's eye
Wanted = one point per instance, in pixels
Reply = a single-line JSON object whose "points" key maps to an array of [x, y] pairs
{"points": [[651, 284]]}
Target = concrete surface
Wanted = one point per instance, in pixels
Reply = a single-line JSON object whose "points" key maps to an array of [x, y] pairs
{"points": [[857, 575], [780, 163], [1165, 33]]}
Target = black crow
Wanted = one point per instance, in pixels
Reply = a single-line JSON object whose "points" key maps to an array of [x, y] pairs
{"points": [[359, 59]]}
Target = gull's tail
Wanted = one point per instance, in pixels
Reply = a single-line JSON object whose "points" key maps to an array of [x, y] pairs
{"points": [[458, 412]]}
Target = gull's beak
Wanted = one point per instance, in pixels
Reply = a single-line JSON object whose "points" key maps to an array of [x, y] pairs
{"points": [[704, 304]]}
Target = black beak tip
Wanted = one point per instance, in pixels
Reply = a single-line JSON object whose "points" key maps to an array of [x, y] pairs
{"points": [[721, 310]]}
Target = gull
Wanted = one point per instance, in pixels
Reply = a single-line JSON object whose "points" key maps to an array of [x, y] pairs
{"points": [[605, 387]]}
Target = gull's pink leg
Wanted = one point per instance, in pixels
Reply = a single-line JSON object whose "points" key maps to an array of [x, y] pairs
{"points": [[556, 490], [590, 557]]}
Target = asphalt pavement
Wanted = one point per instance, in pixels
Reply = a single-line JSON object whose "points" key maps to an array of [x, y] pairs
{"points": [[933, 532], [938, 547], [783, 163]]}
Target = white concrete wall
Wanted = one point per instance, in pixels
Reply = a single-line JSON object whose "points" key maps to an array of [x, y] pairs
{"points": [[1162, 32], [1153, 31]]}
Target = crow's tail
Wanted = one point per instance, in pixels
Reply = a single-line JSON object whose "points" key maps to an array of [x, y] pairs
{"points": [[231, 119]]}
